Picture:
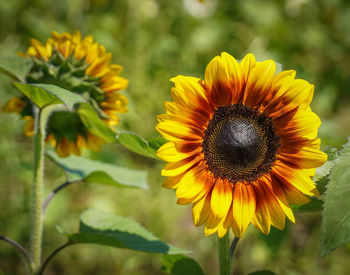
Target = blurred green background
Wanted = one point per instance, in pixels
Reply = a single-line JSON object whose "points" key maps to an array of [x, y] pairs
{"points": [[155, 40]]}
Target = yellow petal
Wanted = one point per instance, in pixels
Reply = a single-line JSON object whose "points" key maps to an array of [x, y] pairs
{"points": [[62, 148], [74, 148], [298, 95], [277, 215], [293, 195], [280, 84], [259, 83], [277, 189], [296, 177], [226, 224], [94, 143], [168, 152], [177, 131], [221, 198], [212, 225], [201, 210], [224, 79], [28, 126], [177, 168], [243, 206], [247, 64], [14, 105], [306, 157], [172, 182], [303, 123], [193, 185], [190, 90], [262, 219]]}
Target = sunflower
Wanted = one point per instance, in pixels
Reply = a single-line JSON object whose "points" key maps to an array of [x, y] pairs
{"points": [[242, 144], [79, 65]]}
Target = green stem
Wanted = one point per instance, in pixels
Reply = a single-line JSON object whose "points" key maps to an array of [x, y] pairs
{"points": [[56, 190], [225, 260], [25, 256], [37, 216], [49, 258]]}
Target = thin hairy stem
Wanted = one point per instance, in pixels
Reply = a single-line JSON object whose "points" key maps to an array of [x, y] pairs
{"points": [[26, 257], [55, 191], [37, 217], [50, 257], [225, 260]]}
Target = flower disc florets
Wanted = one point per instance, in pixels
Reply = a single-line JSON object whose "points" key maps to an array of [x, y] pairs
{"points": [[239, 143]]}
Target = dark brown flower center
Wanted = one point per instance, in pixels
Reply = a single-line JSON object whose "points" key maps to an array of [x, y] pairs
{"points": [[240, 143]]}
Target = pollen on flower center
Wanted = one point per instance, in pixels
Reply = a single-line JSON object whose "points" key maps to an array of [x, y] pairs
{"points": [[239, 143]]}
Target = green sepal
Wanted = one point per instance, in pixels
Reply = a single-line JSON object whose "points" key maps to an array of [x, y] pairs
{"points": [[94, 123]]}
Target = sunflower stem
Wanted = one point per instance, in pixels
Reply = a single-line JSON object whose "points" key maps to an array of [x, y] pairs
{"points": [[37, 216], [25, 256], [225, 259], [49, 258], [55, 191]]}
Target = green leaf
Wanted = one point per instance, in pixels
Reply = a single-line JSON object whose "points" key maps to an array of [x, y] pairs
{"points": [[137, 144], [321, 177], [262, 272], [44, 94], [99, 172], [322, 184], [15, 67], [326, 168], [335, 228], [180, 264], [94, 124], [98, 227]]}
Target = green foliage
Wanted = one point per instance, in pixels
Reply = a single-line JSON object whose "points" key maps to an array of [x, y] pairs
{"points": [[314, 205], [311, 37], [325, 169], [45, 94], [98, 227], [335, 229], [98, 172], [321, 179], [94, 124], [15, 67], [180, 264], [262, 272], [140, 146]]}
